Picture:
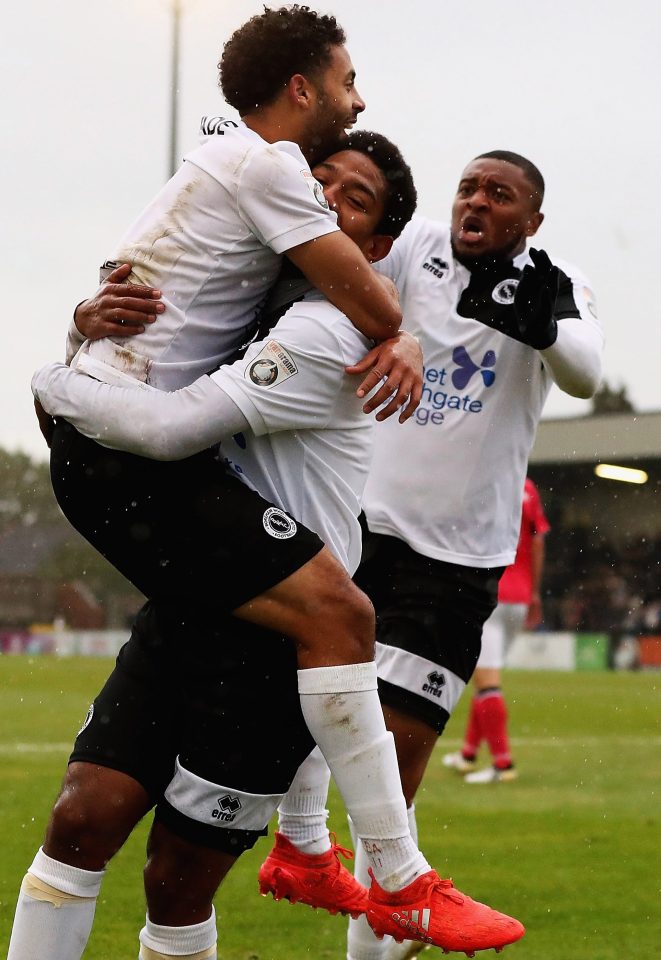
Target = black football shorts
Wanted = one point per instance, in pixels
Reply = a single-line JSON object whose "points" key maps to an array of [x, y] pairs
{"points": [[430, 616], [209, 722], [182, 532]]}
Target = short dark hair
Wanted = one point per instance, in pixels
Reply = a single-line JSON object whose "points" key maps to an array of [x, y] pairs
{"points": [[402, 196], [261, 56], [532, 173]]}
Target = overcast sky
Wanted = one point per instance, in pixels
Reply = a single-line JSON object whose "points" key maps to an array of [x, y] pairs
{"points": [[572, 84]]}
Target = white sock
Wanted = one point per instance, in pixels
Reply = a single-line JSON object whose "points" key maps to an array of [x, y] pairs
{"points": [[55, 911], [361, 942], [302, 813], [195, 942], [343, 712]]}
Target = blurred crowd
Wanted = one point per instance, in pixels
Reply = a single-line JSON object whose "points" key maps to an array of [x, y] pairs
{"points": [[594, 585]]}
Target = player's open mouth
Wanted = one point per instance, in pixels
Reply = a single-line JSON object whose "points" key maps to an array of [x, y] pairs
{"points": [[472, 229]]}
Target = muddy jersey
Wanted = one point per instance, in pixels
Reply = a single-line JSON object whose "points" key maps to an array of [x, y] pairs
{"points": [[211, 241], [449, 482]]}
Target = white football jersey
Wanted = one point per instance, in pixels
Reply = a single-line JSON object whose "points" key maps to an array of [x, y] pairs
{"points": [[317, 471], [449, 482], [211, 241]]}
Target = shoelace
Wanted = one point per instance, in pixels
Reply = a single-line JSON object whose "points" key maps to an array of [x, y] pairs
{"points": [[337, 848], [448, 889]]}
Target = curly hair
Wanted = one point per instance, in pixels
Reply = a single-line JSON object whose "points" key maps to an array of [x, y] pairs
{"points": [[402, 196], [261, 56]]}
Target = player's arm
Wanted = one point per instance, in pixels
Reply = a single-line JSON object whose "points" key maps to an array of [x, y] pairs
{"points": [[147, 422], [335, 266], [537, 553], [574, 360], [395, 365], [557, 317], [305, 368], [396, 361], [172, 426]]}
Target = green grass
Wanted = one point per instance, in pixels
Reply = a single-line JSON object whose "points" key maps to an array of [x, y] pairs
{"points": [[572, 847]]}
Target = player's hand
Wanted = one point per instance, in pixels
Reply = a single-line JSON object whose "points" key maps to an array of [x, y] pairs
{"points": [[534, 301], [46, 422], [118, 309], [396, 364]]}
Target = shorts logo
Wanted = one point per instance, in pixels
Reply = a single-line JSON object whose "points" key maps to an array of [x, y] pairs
{"points": [[435, 683], [88, 720], [277, 524], [228, 807], [504, 291], [264, 372]]}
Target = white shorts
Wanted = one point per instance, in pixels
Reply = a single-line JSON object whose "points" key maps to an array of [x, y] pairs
{"points": [[499, 631]]}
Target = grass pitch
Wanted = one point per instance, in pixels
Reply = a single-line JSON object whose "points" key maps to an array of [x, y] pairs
{"points": [[571, 848]]}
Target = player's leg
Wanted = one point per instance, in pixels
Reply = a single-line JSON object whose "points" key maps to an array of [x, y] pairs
{"points": [[234, 765], [181, 879], [209, 544], [102, 798], [188, 534], [304, 865], [488, 703], [430, 616]]}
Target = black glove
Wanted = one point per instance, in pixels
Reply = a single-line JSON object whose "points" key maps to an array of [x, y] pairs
{"points": [[534, 301]]}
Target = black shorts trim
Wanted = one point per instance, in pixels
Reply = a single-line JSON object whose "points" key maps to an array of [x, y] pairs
{"points": [[234, 842], [400, 699]]}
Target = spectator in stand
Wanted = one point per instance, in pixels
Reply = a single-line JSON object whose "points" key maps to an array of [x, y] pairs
{"points": [[519, 607]]}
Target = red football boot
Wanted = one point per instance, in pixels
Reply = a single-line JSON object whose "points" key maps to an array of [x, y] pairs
{"points": [[433, 911], [319, 880]]}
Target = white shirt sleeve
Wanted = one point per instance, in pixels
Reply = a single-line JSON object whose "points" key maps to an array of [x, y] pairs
{"points": [[292, 382], [147, 422], [281, 202], [295, 380], [574, 360]]}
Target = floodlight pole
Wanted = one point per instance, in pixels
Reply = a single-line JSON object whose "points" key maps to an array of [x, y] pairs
{"points": [[174, 90]]}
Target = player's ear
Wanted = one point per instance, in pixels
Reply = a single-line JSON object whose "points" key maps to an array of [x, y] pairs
{"points": [[299, 90], [378, 247], [535, 221]]}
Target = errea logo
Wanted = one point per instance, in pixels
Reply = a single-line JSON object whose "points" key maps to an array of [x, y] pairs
{"points": [[435, 683], [228, 807], [436, 266]]}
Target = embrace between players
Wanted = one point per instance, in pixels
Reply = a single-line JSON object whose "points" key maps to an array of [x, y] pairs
{"points": [[226, 483]]}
